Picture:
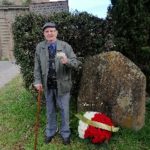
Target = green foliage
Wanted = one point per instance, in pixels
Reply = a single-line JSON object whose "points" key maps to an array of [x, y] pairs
{"points": [[131, 30], [26, 2], [83, 31], [26, 38], [7, 2]]}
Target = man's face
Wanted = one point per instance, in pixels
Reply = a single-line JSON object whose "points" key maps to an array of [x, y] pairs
{"points": [[50, 34]]}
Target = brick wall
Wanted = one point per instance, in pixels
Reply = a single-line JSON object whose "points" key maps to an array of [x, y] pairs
{"points": [[7, 17], [49, 7], [41, 1]]}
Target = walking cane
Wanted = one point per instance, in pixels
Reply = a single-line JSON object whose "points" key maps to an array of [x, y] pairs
{"points": [[37, 118]]}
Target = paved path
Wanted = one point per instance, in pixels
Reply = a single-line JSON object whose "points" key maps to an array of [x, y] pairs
{"points": [[8, 71]]}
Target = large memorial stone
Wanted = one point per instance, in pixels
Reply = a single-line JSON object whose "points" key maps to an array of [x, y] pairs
{"points": [[114, 85]]}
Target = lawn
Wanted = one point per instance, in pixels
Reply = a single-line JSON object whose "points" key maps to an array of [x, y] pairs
{"points": [[17, 121]]}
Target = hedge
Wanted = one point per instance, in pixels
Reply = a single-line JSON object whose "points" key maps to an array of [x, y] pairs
{"points": [[84, 32]]}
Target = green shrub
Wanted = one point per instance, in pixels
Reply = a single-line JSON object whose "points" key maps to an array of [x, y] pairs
{"points": [[131, 30], [83, 31]]}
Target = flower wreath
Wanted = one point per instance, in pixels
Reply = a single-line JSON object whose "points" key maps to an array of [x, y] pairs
{"points": [[96, 126]]}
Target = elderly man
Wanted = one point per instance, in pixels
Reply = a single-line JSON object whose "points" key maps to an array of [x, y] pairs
{"points": [[54, 60]]}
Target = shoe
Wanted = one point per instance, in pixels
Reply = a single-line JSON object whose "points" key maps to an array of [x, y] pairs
{"points": [[66, 141], [48, 139]]}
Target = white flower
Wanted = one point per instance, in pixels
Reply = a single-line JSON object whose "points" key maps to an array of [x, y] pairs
{"points": [[83, 126]]}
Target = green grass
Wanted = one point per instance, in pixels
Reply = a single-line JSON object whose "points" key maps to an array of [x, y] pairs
{"points": [[17, 120]]}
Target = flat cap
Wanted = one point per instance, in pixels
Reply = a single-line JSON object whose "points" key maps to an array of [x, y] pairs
{"points": [[49, 24]]}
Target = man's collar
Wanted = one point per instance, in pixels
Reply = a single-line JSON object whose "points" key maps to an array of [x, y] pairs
{"points": [[51, 42]]}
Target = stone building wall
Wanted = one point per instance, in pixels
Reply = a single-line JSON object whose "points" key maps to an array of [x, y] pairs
{"points": [[49, 7], [40, 1], [7, 17]]}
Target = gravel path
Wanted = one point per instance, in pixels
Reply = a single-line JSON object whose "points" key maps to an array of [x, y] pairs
{"points": [[8, 71]]}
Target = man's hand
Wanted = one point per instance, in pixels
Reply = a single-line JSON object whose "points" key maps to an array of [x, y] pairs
{"points": [[38, 87], [64, 59]]}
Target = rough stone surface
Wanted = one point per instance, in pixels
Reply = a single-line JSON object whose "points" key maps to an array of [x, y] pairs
{"points": [[114, 85]]}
